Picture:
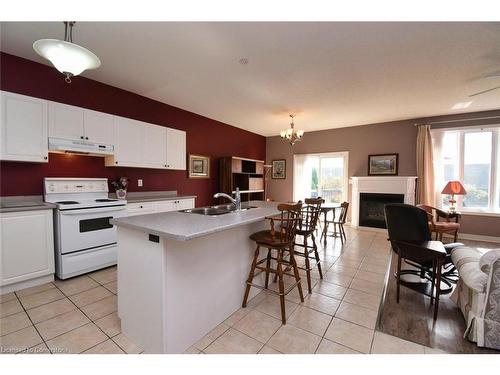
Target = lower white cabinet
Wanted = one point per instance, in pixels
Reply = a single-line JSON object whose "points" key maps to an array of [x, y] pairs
{"points": [[140, 208], [159, 206], [27, 246]]}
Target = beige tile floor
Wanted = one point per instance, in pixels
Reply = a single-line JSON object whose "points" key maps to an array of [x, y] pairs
{"points": [[79, 315], [72, 316]]}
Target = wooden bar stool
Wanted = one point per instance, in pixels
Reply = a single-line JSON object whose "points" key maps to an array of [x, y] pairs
{"points": [[307, 228], [280, 238]]}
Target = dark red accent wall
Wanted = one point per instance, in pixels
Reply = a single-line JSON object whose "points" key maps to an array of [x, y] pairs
{"points": [[204, 136]]}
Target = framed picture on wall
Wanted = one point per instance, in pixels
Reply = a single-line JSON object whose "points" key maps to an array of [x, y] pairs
{"points": [[199, 166], [279, 169], [383, 165]]}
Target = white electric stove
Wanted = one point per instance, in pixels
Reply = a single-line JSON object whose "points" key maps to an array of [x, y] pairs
{"points": [[84, 238]]}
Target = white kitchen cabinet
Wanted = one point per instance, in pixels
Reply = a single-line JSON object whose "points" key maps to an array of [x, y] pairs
{"points": [[27, 123], [174, 205], [128, 136], [27, 246], [75, 123], [154, 145], [24, 128], [143, 145], [184, 204], [98, 127], [165, 206], [65, 121], [176, 149], [159, 206], [140, 208]]}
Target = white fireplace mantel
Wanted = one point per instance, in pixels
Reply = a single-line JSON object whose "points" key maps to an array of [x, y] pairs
{"points": [[381, 184]]}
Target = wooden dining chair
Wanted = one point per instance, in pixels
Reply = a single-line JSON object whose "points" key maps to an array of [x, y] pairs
{"points": [[338, 223]]}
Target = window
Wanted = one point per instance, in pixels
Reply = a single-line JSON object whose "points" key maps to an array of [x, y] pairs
{"points": [[470, 155], [320, 175]]}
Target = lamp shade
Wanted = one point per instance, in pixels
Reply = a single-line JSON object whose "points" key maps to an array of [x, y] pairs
{"points": [[65, 56], [454, 187]]}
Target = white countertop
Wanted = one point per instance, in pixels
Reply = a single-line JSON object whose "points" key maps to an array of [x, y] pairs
{"points": [[185, 226]]}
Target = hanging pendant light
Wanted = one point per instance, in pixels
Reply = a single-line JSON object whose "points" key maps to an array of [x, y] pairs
{"points": [[69, 58], [292, 135]]}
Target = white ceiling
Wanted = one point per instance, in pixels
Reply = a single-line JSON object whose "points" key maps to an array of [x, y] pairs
{"points": [[329, 74]]}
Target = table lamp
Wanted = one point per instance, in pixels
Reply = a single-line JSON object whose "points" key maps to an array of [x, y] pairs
{"points": [[453, 188]]}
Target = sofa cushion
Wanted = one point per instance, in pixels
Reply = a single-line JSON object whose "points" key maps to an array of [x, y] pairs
{"points": [[473, 277], [488, 259], [463, 254]]}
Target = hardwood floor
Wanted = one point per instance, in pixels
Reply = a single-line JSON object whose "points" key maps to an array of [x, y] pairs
{"points": [[411, 319]]}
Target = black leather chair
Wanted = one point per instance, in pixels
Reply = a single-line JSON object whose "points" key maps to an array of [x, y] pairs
{"points": [[408, 224]]}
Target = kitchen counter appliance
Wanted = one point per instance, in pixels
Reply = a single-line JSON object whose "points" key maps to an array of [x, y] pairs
{"points": [[84, 238]]}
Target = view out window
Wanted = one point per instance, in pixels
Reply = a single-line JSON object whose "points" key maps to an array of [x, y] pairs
{"points": [[320, 175], [470, 155]]}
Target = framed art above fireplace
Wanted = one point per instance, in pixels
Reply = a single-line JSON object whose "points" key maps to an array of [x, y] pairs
{"points": [[383, 165]]}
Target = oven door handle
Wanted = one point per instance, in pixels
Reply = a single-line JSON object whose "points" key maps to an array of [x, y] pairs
{"points": [[92, 210]]}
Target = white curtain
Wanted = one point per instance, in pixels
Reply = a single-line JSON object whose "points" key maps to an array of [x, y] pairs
{"points": [[302, 172]]}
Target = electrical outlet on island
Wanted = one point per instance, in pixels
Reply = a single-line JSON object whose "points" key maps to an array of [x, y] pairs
{"points": [[139, 182]]}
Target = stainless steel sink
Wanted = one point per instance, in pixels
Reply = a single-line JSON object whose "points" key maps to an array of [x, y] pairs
{"points": [[215, 210]]}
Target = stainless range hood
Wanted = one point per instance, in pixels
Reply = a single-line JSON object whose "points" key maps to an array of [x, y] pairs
{"points": [[82, 147]]}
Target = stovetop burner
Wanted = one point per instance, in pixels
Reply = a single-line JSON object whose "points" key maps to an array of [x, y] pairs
{"points": [[67, 202], [106, 200]]}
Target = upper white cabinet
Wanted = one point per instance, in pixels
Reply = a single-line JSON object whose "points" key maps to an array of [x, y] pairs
{"points": [[65, 121], [98, 127], [128, 136], [176, 149], [143, 145], [75, 123], [24, 128], [154, 146], [27, 123]]}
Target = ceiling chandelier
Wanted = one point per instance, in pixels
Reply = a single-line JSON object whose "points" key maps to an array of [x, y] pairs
{"points": [[292, 135], [69, 58]]}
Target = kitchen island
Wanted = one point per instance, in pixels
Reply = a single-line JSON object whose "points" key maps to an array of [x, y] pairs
{"points": [[181, 274]]}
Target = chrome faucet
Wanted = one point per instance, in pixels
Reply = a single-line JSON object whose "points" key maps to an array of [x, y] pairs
{"points": [[236, 200]]}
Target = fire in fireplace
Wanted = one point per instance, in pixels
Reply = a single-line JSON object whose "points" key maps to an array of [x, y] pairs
{"points": [[371, 208]]}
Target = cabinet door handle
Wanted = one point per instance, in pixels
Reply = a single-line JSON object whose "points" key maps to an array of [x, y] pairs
{"points": [[81, 137], [87, 138], [168, 165], [116, 162], [45, 157]]}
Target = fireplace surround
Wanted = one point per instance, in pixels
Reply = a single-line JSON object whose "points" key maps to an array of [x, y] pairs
{"points": [[378, 190]]}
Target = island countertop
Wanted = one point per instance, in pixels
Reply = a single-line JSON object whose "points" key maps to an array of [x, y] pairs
{"points": [[186, 226]]}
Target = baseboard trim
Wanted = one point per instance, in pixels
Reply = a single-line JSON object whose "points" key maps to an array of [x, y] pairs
{"points": [[476, 237], [461, 236], [4, 289], [369, 229]]}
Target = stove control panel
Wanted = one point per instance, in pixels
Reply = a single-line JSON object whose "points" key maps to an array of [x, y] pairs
{"points": [[75, 185]]}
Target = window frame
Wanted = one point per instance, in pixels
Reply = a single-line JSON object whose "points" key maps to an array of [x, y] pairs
{"points": [[343, 154], [493, 208]]}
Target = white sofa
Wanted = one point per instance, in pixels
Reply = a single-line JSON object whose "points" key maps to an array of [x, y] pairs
{"points": [[477, 293]]}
